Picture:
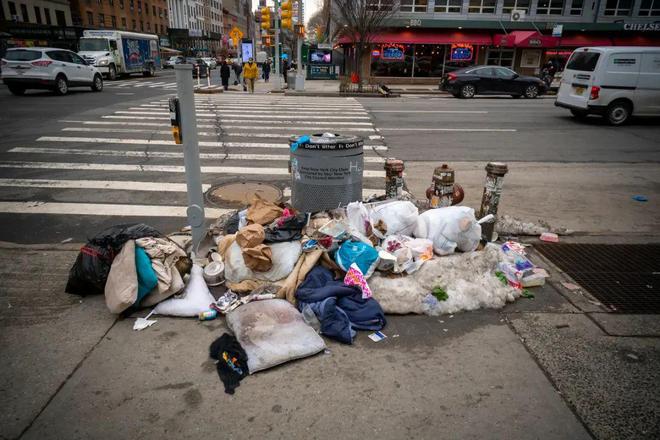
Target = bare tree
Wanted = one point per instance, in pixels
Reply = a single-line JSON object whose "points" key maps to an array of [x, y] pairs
{"points": [[360, 21]]}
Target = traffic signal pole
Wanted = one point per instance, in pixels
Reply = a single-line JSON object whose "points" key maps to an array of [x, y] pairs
{"points": [[277, 81], [300, 75]]}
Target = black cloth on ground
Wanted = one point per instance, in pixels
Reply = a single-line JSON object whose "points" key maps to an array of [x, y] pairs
{"points": [[232, 361]]}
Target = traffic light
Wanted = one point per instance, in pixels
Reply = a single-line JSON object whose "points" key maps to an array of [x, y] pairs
{"points": [[265, 40], [265, 18], [299, 30], [286, 15]]}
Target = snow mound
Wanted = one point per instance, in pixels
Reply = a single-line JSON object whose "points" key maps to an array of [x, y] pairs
{"points": [[469, 280]]}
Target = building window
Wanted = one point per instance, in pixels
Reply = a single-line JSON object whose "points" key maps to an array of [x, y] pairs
{"points": [[146, 8], [134, 25], [618, 7], [47, 15], [121, 4], [160, 12], [518, 5], [37, 14], [550, 7], [139, 5], [60, 18], [649, 8], [482, 6], [24, 12], [131, 4], [90, 18], [12, 8], [576, 7], [500, 57], [123, 22], [102, 20], [414, 5], [111, 2], [113, 21], [376, 5], [148, 26], [448, 5], [153, 9]]}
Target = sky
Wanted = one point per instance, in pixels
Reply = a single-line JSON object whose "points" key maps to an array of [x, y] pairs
{"points": [[311, 6]]}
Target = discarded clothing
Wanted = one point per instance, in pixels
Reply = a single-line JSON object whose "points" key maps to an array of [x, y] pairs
{"points": [[121, 289], [146, 276], [232, 361], [285, 229], [262, 212], [256, 255], [89, 273], [164, 254], [340, 308]]}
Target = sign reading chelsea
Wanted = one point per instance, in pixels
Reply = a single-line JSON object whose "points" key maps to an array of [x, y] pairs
{"points": [[644, 27]]}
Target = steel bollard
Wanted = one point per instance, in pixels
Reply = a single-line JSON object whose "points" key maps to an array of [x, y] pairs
{"points": [[442, 187], [393, 178], [495, 172]]}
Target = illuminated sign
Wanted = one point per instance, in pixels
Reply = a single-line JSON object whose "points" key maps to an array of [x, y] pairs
{"points": [[461, 52], [375, 53], [393, 52]]}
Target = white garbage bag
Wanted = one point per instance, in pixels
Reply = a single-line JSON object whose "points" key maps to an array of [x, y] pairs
{"points": [[285, 257], [450, 228], [196, 297], [400, 217]]}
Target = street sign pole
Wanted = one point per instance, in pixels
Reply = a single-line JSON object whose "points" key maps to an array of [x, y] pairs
{"points": [[277, 84], [300, 76], [195, 211]]}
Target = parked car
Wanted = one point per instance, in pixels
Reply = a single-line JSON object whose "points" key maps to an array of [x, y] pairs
{"points": [[211, 62], [493, 80], [614, 82], [172, 61], [200, 68], [47, 68]]}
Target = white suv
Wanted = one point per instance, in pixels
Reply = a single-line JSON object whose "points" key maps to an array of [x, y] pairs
{"points": [[47, 68]]}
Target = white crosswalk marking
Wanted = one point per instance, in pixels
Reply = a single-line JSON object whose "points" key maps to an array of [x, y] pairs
{"points": [[127, 154]]}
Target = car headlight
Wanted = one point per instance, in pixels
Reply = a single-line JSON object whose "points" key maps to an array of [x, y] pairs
{"points": [[103, 63]]}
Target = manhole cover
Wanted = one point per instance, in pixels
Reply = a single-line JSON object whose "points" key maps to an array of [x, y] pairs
{"points": [[625, 278], [242, 193]]}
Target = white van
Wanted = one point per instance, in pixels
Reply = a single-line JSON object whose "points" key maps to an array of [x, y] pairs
{"points": [[615, 82]]}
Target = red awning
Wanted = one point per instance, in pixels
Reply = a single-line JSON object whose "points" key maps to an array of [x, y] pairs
{"points": [[583, 39], [637, 40], [430, 37], [525, 39]]}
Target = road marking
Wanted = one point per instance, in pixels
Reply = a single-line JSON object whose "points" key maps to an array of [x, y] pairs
{"points": [[104, 209], [158, 168], [166, 154], [152, 118], [124, 94], [268, 114], [429, 111], [123, 185], [140, 124], [124, 112], [265, 120], [296, 129], [449, 129]]}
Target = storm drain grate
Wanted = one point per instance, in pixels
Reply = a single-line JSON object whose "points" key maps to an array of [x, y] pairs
{"points": [[625, 278]]}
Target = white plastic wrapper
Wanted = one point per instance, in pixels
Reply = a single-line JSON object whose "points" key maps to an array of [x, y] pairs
{"points": [[451, 228], [400, 218], [273, 332]]}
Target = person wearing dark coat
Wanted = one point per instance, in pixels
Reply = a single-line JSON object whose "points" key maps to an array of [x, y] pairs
{"points": [[225, 73], [265, 69]]}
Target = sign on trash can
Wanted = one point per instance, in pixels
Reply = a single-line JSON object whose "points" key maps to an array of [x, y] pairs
{"points": [[326, 171]]}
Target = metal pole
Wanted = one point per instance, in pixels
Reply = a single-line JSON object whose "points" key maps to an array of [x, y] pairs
{"points": [[277, 80], [495, 172], [300, 77], [195, 211]]}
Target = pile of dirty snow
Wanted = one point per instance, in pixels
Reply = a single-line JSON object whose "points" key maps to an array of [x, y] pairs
{"points": [[468, 279], [508, 225]]}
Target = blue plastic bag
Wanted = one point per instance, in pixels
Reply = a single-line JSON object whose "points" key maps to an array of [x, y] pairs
{"points": [[365, 256], [146, 275]]}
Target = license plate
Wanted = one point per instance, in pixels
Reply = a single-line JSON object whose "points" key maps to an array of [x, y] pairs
{"points": [[579, 90]]}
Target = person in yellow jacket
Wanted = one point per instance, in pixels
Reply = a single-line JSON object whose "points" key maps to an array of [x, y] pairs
{"points": [[250, 73]]}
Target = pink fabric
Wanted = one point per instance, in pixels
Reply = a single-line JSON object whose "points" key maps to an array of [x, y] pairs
{"points": [[354, 277]]}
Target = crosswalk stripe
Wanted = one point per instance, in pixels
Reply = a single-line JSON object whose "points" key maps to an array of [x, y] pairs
{"points": [[124, 112], [123, 185], [141, 124], [104, 209], [158, 168], [151, 118], [266, 114], [267, 121], [90, 140], [165, 154], [297, 129]]}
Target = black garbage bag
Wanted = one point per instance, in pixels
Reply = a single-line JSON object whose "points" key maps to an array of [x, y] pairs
{"points": [[231, 227], [289, 230], [90, 271]]}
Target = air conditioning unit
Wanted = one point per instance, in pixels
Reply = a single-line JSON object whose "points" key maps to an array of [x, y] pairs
{"points": [[518, 15]]}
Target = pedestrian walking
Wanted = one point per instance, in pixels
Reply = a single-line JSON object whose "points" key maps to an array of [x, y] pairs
{"points": [[225, 73], [250, 73], [266, 70]]}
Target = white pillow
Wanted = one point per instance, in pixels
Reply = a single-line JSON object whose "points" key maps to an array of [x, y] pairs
{"points": [[196, 297]]}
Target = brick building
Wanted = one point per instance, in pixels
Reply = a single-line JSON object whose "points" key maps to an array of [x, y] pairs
{"points": [[150, 16]]}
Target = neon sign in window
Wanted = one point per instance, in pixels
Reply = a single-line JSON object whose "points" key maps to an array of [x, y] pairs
{"points": [[461, 52]]}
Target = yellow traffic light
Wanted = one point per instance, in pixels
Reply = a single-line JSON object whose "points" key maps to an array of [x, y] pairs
{"points": [[286, 23], [265, 18], [287, 13]]}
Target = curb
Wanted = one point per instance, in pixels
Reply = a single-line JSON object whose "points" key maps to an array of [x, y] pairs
{"points": [[338, 94]]}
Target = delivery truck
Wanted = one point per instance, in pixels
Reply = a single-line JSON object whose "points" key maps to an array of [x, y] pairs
{"points": [[116, 53]]}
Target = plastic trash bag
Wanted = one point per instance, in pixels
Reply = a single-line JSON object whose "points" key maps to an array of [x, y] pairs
{"points": [[195, 299], [364, 255], [284, 256], [358, 217], [272, 332], [89, 273], [400, 217], [451, 228]]}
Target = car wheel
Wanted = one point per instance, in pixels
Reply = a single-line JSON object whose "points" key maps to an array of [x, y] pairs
{"points": [[97, 84], [580, 114], [61, 85], [16, 90], [531, 92], [618, 113], [112, 72], [468, 91]]}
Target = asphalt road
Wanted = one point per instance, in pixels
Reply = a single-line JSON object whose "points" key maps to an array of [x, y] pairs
{"points": [[71, 166]]}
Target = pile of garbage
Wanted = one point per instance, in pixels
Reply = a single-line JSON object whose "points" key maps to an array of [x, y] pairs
{"points": [[283, 278]]}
